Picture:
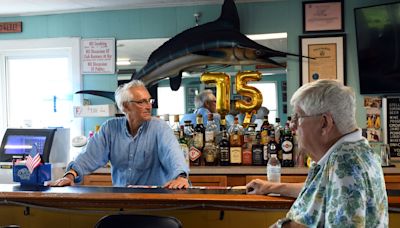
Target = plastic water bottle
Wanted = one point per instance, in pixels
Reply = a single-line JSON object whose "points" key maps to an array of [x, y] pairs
{"points": [[274, 169]]}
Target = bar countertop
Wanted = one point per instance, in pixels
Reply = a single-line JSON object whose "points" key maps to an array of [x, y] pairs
{"points": [[148, 197]]}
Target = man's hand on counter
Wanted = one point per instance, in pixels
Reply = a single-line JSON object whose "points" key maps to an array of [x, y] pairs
{"points": [[67, 180], [178, 183]]}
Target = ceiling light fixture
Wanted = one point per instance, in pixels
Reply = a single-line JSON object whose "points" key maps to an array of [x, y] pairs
{"points": [[123, 62], [268, 36]]}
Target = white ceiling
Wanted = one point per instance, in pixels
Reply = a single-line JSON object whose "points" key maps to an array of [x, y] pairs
{"points": [[9, 8]]}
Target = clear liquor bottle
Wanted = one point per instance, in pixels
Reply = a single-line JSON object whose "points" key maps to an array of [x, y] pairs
{"points": [[210, 148]]}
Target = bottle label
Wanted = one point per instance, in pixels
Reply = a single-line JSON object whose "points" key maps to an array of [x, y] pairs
{"points": [[210, 157], [210, 136], [265, 153], [236, 155], [224, 153], [198, 139], [274, 177], [194, 153], [257, 156], [274, 173], [287, 146], [209, 152], [287, 156], [247, 158], [264, 137]]}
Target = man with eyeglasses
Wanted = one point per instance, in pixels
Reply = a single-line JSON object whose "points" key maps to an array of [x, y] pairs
{"points": [[205, 103], [142, 150], [345, 186]]}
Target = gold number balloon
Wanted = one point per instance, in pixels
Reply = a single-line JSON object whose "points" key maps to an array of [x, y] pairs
{"points": [[223, 86], [253, 94]]}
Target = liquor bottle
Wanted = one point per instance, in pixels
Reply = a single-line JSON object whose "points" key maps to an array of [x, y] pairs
{"points": [[176, 127], [278, 129], [199, 133], [248, 140], [265, 128], [209, 153], [210, 148], [272, 147], [184, 144], [223, 147], [194, 153], [287, 147], [274, 169], [211, 129], [236, 141], [257, 151]]}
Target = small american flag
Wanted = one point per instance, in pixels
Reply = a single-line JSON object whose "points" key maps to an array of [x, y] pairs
{"points": [[33, 159]]}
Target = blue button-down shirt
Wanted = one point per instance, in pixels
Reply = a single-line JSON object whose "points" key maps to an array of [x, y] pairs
{"points": [[152, 157]]}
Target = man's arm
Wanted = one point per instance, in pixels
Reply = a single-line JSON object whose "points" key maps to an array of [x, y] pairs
{"points": [[262, 187], [172, 158]]}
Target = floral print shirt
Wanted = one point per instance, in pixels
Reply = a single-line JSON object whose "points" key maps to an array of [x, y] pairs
{"points": [[345, 189]]}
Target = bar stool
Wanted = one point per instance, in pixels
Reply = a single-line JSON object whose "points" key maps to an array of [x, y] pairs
{"points": [[136, 221]]}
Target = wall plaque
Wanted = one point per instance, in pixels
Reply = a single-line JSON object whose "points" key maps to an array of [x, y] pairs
{"points": [[98, 56], [10, 27]]}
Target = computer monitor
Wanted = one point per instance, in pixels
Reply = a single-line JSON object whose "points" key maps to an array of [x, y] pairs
{"points": [[20, 142]]}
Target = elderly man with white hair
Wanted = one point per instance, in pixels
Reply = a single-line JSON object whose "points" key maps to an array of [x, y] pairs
{"points": [[142, 149], [345, 186]]}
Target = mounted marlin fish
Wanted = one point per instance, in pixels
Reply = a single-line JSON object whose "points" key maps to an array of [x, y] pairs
{"points": [[215, 43]]}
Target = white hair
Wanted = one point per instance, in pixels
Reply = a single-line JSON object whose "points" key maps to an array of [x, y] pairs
{"points": [[328, 96], [261, 112], [122, 95], [202, 97]]}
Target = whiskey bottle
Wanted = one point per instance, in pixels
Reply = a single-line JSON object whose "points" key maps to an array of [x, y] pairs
{"points": [[257, 151], [224, 155], [236, 141]]}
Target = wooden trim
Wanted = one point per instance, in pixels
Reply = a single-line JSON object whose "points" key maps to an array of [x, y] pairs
{"points": [[208, 180]]}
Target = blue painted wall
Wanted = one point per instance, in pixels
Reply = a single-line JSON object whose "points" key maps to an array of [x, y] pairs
{"points": [[266, 17]]}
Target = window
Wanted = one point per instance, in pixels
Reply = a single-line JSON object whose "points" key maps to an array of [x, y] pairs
{"points": [[270, 99], [171, 102], [38, 81]]}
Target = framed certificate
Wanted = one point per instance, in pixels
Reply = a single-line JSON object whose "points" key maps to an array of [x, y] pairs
{"points": [[323, 16], [325, 58]]}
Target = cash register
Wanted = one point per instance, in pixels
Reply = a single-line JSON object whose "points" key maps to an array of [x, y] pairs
{"points": [[52, 144]]}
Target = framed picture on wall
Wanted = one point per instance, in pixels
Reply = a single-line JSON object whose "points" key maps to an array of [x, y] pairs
{"points": [[323, 16], [325, 58]]}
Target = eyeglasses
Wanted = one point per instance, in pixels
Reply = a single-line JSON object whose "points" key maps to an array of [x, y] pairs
{"points": [[296, 117], [143, 102]]}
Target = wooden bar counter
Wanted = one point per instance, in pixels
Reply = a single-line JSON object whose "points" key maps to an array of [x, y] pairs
{"points": [[79, 206], [115, 197]]}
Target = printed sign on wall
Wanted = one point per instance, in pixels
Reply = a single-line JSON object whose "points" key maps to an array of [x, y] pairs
{"points": [[391, 107], [98, 56]]}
